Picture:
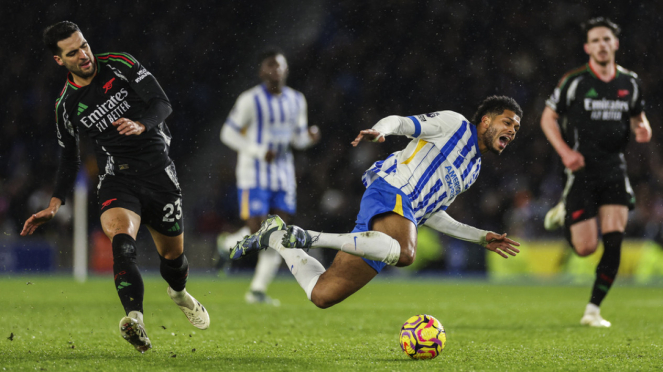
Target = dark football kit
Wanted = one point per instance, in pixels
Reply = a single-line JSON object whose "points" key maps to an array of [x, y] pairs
{"points": [[135, 171], [594, 118]]}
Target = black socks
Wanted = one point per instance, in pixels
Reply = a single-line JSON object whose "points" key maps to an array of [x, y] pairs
{"points": [[175, 272], [128, 282], [606, 271]]}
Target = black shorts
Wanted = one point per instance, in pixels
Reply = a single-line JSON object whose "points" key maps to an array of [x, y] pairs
{"points": [[156, 199], [585, 193]]}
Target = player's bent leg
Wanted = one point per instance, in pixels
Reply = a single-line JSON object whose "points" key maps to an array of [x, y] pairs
{"points": [[613, 218], [121, 226], [382, 243], [120, 221], [174, 269], [346, 276], [584, 237], [402, 230]]}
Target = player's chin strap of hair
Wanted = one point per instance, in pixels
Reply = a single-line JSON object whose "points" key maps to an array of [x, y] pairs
{"points": [[443, 223]]}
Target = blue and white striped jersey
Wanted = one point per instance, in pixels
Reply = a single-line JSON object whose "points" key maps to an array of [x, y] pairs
{"points": [[259, 122], [441, 161]]}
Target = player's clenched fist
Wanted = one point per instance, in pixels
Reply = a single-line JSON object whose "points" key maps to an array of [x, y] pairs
{"points": [[573, 160], [128, 127]]}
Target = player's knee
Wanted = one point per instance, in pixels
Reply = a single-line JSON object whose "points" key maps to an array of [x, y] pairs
{"points": [[585, 248], [322, 300], [124, 248], [408, 254]]}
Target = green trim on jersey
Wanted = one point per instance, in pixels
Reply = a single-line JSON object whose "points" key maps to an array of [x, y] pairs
{"points": [[628, 72], [71, 85], [123, 57], [114, 59], [571, 74], [119, 54], [59, 100]]}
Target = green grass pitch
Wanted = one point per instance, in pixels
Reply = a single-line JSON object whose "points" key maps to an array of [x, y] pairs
{"points": [[56, 324]]}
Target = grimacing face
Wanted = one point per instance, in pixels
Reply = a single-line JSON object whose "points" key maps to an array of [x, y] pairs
{"points": [[76, 56], [601, 45], [501, 130]]}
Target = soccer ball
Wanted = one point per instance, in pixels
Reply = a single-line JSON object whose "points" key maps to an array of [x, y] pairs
{"points": [[422, 337]]}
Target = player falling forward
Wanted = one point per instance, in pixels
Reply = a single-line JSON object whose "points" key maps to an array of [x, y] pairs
{"points": [[411, 187], [598, 104], [266, 121], [121, 107]]}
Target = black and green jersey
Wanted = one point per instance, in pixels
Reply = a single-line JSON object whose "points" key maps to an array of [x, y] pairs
{"points": [[595, 115], [121, 88]]}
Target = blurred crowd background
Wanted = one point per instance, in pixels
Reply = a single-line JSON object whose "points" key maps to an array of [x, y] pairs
{"points": [[356, 62]]}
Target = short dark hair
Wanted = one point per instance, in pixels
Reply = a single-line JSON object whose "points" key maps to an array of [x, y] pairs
{"points": [[495, 105], [269, 52], [56, 32], [600, 22]]}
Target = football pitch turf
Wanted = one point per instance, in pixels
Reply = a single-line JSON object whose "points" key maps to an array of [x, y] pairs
{"points": [[56, 324]]}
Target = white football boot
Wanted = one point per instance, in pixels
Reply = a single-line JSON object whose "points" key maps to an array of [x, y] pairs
{"points": [[193, 310], [593, 317], [555, 217], [132, 329]]}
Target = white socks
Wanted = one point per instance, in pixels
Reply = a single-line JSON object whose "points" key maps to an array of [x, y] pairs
{"points": [[181, 298], [268, 265], [136, 315], [592, 309], [303, 267], [373, 245]]}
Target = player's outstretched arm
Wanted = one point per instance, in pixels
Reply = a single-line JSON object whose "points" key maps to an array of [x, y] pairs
{"points": [[500, 244], [393, 124], [41, 217], [368, 135], [641, 128]]}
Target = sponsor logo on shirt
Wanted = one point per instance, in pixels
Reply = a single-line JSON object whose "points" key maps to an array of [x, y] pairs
{"points": [[605, 109], [622, 93], [142, 73], [452, 181], [109, 111]]}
